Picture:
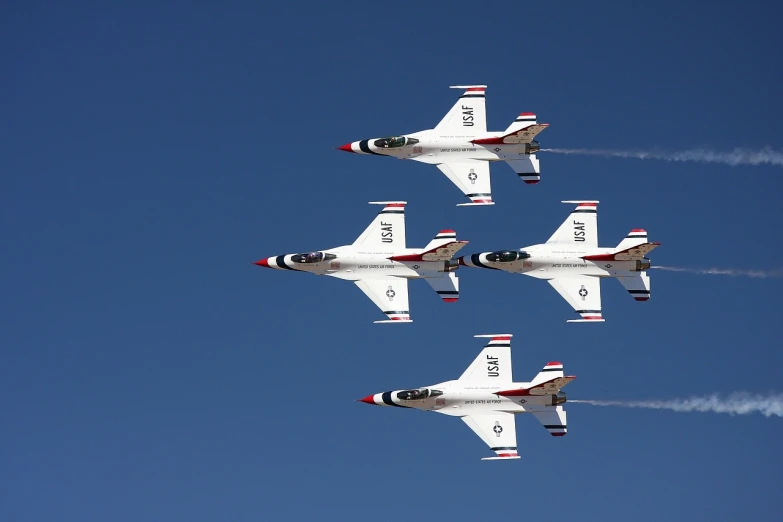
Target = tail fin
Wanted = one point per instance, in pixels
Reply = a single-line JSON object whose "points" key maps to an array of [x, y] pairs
{"points": [[637, 236], [549, 381], [524, 135], [441, 248], [633, 248], [552, 370], [638, 286], [526, 119]]}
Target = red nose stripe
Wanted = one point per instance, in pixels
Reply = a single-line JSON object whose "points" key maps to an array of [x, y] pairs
{"points": [[346, 148], [262, 262], [368, 400]]}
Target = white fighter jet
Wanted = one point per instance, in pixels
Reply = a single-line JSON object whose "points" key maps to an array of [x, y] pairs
{"points": [[486, 397], [380, 264], [462, 148], [574, 265]]}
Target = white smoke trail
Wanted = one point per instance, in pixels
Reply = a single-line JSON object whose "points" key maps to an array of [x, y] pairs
{"points": [[738, 403], [733, 272], [765, 156]]}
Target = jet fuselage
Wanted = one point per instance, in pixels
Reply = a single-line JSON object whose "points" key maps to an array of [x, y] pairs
{"points": [[427, 147], [347, 263], [453, 398], [546, 262]]}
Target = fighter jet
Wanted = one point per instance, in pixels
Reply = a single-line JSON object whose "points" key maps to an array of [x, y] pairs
{"points": [[462, 148], [380, 264], [486, 398], [574, 265]]}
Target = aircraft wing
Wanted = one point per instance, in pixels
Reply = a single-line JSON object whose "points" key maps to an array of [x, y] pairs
{"points": [[472, 178], [583, 293], [390, 294], [498, 431], [387, 230], [580, 228], [468, 117]]}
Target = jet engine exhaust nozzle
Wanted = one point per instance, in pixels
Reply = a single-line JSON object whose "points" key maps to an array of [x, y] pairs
{"points": [[643, 264], [451, 265], [532, 147]]}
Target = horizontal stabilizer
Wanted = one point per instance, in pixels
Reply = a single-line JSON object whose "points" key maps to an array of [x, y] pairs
{"points": [[446, 286], [553, 420], [527, 168], [393, 321], [638, 286], [594, 320], [511, 457]]}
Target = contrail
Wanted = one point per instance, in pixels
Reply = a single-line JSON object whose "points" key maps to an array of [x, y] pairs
{"points": [[733, 272], [765, 156], [738, 403]]}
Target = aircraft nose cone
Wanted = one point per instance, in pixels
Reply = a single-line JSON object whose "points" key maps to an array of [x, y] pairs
{"points": [[262, 262], [368, 399], [346, 148]]}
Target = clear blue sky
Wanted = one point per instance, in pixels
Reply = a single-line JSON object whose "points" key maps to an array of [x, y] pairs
{"points": [[149, 154]]}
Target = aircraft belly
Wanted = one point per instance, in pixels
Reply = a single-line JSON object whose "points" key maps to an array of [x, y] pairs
{"points": [[355, 268]]}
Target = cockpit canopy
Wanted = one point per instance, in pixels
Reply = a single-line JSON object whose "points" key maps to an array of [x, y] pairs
{"points": [[506, 256], [393, 143], [312, 257], [415, 395]]}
